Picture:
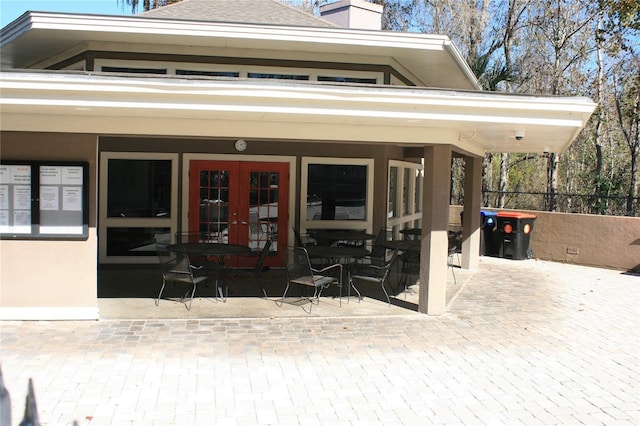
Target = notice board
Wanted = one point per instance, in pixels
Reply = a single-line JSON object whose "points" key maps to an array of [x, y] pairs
{"points": [[44, 200]]}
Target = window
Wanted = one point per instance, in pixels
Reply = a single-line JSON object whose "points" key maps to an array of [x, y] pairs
{"points": [[356, 80], [208, 73], [132, 70], [405, 195], [278, 76], [406, 188], [138, 205], [336, 193], [392, 209], [139, 188]]}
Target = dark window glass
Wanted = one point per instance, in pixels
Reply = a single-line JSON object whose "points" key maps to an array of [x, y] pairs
{"points": [[130, 70], [135, 241], [278, 76], [393, 192], [356, 80], [139, 188], [209, 73], [336, 192]]}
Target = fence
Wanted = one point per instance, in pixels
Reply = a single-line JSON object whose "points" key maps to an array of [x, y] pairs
{"points": [[613, 205]]}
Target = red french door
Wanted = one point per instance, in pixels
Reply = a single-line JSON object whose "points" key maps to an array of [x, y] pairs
{"points": [[241, 202]]}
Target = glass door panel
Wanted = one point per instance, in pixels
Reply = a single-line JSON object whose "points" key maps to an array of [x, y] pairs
{"points": [[213, 219], [266, 206]]}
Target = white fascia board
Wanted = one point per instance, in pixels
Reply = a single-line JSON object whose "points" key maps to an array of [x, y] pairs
{"points": [[462, 63], [80, 82], [271, 102], [163, 27]]}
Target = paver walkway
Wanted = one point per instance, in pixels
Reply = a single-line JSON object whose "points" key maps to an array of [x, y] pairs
{"points": [[525, 342]]}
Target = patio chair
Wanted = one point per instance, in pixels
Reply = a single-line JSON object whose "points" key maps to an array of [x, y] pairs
{"points": [[378, 254], [300, 271], [375, 273], [409, 270], [303, 240], [210, 264], [177, 268], [454, 250]]}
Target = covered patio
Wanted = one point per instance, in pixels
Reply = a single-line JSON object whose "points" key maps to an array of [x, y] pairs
{"points": [[418, 107]]}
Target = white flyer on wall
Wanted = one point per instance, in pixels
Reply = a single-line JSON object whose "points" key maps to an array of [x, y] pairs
{"points": [[50, 175], [72, 198], [49, 198], [22, 197]]}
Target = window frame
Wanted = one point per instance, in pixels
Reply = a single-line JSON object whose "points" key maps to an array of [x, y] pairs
{"points": [[106, 222], [413, 217], [243, 71], [306, 224]]}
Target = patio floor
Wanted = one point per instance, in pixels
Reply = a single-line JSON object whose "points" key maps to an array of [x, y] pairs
{"points": [[245, 300], [523, 343]]}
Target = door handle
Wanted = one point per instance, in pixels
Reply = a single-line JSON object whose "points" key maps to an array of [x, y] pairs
{"points": [[244, 222]]}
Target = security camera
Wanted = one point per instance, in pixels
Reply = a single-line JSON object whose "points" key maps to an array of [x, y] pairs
{"points": [[519, 135]]}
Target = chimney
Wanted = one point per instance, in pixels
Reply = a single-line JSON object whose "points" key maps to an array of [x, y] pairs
{"points": [[358, 14]]}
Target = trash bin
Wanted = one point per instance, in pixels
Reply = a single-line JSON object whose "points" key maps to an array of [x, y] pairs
{"points": [[488, 226], [513, 232], [488, 240]]}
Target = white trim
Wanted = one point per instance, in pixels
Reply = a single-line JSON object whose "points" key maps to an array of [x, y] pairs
{"points": [[407, 116], [49, 313]]}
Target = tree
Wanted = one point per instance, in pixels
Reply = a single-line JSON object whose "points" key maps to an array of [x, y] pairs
{"points": [[146, 4], [627, 99]]}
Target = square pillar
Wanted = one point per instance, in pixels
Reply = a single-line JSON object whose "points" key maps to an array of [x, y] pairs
{"points": [[435, 220], [471, 216]]}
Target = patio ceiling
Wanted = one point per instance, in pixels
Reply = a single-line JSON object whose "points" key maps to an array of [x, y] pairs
{"points": [[473, 121]]}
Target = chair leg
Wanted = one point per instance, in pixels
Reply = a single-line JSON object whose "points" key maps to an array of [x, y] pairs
{"points": [[385, 293], [164, 282], [283, 295], [351, 284], [259, 283], [193, 292], [455, 282]]}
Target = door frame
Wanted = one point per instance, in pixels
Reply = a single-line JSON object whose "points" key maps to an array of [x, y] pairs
{"points": [[184, 193]]}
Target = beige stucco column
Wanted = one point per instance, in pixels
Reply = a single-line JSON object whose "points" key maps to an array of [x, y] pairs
{"points": [[472, 203], [435, 220]]}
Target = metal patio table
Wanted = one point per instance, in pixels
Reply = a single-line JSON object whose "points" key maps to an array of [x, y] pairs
{"points": [[217, 250]]}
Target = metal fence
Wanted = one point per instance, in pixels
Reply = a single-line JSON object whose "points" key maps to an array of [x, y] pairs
{"points": [[613, 205]]}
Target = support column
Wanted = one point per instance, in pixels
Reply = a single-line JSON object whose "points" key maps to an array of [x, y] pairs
{"points": [[435, 220], [471, 216]]}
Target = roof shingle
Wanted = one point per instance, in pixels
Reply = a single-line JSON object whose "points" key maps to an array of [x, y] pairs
{"points": [[270, 12]]}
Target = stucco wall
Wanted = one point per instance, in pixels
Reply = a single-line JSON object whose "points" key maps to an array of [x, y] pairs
{"points": [[605, 241], [50, 279]]}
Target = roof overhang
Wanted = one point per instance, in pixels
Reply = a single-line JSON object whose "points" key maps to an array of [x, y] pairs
{"points": [[431, 60], [476, 122]]}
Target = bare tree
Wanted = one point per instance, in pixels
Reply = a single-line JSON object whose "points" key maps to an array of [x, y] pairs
{"points": [[628, 110], [146, 4]]}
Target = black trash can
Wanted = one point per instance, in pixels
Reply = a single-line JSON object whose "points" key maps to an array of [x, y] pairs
{"points": [[488, 226], [513, 232], [488, 240]]}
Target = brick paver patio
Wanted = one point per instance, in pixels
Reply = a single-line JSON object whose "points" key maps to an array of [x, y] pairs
{"points": [[525, 342]]}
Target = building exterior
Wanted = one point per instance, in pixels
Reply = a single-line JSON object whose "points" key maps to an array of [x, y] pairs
{"points": [[242, 119]]}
